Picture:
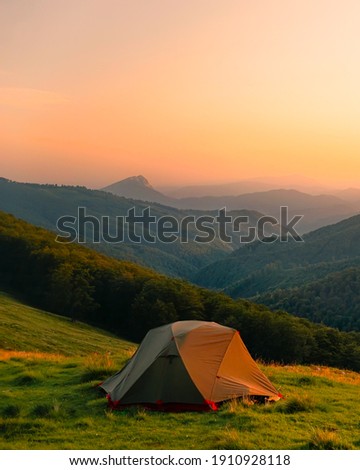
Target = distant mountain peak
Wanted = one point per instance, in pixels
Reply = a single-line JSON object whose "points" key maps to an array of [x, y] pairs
{"points": [[137, 187], [140, 179]]}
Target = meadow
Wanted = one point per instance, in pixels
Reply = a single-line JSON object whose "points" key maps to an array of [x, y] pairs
{"points": [[50, 368]]}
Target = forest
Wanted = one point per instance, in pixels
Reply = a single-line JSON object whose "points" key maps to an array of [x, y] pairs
{"points": [[128, 300], [333, 300]]}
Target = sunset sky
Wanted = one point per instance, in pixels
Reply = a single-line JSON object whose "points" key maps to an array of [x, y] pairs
{"points": [[93, 91]]}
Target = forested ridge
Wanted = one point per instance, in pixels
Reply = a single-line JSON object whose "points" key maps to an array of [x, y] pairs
{"points": [[127, 299], [333, 300], [316, 279], [328, 249], [43, 205]]}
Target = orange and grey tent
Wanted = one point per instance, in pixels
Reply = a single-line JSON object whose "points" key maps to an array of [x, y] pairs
{"points": [[188, 365]]}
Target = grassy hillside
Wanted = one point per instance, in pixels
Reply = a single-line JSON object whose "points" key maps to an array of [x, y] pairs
{"points": [[24, 328], [50, 367], [128, 300], [333, 300]]}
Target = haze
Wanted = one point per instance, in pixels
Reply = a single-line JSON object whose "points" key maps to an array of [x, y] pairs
{"points": [[195, 91]]}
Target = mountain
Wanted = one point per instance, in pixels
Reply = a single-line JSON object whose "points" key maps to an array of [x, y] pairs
{"points": [[44, 205], [349, 195], [227, 189], [249, 185], [261, 267], [128, 300], [333, 300], [317, 211], [252, 270], [138, 188]]}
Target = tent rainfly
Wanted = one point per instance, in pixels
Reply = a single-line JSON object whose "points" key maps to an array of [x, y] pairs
{"points": [[188, 365]]}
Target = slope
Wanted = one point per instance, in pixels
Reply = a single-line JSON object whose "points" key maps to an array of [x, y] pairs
{"points": [[28, 329], [128, 300], [43, 205], [333, 300], [139, 188], [49, 398], [317, 210], [249, 185], [258, 267]]}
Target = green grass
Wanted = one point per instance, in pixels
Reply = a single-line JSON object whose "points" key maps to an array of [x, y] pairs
{"points": [[49, 399], [23, 328]]}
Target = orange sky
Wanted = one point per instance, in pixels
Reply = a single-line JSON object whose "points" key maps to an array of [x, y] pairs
{"points": [[93, 91]]}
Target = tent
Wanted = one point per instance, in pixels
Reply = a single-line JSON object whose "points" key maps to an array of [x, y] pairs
{"points": [[188, 365]]}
